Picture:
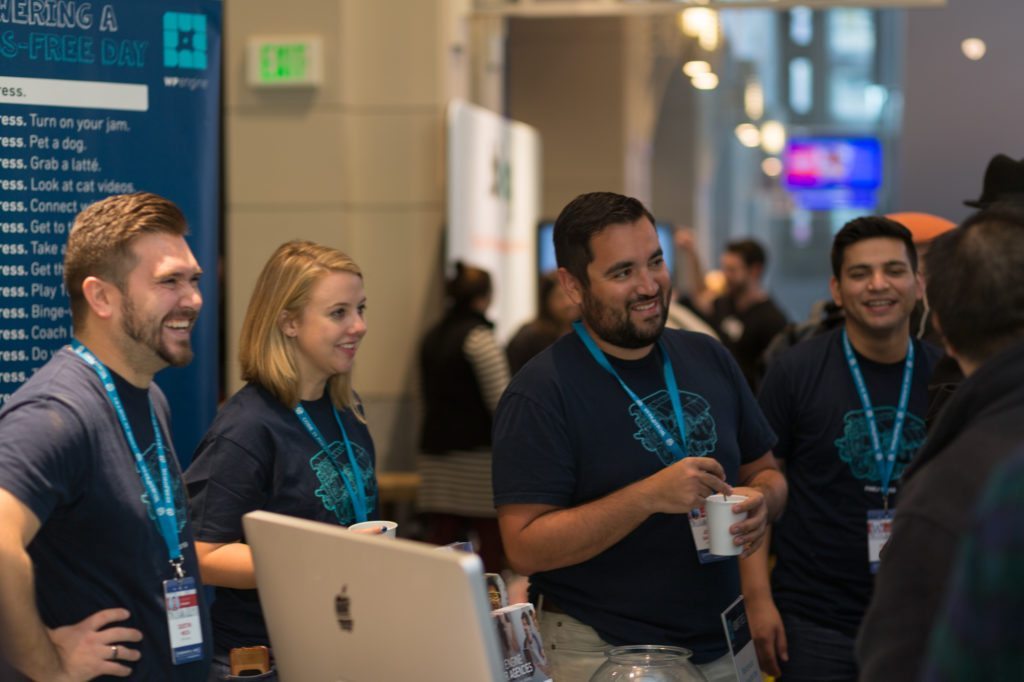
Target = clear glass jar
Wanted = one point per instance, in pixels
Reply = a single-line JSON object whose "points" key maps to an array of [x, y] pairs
{"points": [[648, 663]]}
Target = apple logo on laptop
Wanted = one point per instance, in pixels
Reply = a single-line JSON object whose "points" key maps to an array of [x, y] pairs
{"points": [[342, 609]]}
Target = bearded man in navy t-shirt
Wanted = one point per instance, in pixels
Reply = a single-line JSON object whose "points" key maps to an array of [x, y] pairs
{"points": [[607, 442]]}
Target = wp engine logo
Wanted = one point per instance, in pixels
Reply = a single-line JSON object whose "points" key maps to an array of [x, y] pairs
{"points": [[185, 47], [185, 43]]}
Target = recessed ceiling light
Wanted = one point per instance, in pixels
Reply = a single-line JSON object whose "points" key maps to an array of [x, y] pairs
{"points": [[974, 48], [705, 81], [691, 69]]}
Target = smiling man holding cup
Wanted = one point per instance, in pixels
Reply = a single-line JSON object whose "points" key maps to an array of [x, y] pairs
{"points": [[607, 444]]}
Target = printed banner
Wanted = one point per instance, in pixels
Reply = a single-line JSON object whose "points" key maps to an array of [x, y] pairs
{"points": [[100, 98]]}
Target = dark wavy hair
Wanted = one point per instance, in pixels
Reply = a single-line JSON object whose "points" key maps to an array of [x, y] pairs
{"points": [[585, 216], [870, 227]]}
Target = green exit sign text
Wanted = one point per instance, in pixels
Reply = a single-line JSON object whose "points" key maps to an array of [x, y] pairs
{"points": [[284, 61]]}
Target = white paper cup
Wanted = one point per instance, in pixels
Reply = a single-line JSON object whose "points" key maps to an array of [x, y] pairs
{"points": [[386, 529], [720, 518]]}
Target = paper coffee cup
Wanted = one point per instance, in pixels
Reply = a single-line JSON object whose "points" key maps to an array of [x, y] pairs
{"points": [[721, 517], [386, 529]]}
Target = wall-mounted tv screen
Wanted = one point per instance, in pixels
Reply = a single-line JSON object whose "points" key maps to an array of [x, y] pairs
{"points": [[826, 173], [813, 163], [546, 247]]}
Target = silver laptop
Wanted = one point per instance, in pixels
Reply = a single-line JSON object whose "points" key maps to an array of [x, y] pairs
{"points": [[346, 607]]}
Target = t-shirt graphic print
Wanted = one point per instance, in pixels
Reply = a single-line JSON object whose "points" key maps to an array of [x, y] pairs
{"points": [[701, 435], [855, 447], [333, 492]]}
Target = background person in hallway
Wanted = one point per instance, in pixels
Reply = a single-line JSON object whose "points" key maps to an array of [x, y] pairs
{"points": [[555, 316], [824, 574], [463, 373], [82, 558], [978, 305], [594, 498], [745, 318], [293, 440]]}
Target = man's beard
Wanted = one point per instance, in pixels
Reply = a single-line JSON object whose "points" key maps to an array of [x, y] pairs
{"points": [[616, 327], [150, 334]]}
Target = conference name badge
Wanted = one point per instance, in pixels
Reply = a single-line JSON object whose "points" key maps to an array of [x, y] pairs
{"points": [[181, 598], [879, 532]]}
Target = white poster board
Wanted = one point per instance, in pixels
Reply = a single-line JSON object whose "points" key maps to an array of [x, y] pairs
{"points": [[494, 207]]}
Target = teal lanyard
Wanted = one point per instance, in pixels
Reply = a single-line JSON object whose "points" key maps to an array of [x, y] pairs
{"points": [[886, 462], [162, 498], [676, 448], [354, 488]]}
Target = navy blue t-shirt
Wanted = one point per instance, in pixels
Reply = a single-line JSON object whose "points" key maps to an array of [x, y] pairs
{"points": [[64, 455], [258, 455], [566, 433], [823, 573]]}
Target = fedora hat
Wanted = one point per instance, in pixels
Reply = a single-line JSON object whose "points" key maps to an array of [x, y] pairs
{"points": [[1004, 181]]}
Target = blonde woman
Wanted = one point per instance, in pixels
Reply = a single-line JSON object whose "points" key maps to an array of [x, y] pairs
{"points": [[293, 440]]}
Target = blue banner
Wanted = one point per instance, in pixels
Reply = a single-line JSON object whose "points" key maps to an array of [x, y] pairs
{"points": [[99, 99]]}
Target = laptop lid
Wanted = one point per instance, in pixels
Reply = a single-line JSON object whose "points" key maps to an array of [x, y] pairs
{"points": [[347, 607]]}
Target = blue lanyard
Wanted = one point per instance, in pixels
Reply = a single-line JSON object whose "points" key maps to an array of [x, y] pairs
{"points": [[162, 498], [355, 492], [886, 461], [676, 448]]}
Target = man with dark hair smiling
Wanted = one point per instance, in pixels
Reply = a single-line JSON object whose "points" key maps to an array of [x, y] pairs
{"points": [[848, 407], [976, 289], [607, 442]]}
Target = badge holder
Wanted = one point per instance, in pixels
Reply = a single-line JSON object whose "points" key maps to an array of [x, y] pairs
{"points": [[181, 597], [879, 532]]}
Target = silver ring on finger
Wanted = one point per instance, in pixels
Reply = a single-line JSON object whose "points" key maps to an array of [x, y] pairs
{"points": [[113, 651]]}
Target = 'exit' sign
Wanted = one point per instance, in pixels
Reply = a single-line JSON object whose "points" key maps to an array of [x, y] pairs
{"points": [[284, 61]]}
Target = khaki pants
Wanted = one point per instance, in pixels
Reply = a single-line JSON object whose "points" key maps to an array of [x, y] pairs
{"points": [[575, 651]]}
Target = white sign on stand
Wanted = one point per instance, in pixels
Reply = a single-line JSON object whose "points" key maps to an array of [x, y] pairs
{"points": [[741, 644], [494, 207]]}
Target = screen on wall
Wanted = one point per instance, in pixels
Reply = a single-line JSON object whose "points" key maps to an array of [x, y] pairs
{"points": [[824, 173], [546, 247], [833, 163]]}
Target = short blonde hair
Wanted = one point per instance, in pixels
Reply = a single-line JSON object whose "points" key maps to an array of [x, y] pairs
{"points": [[284, 286], [101, 238]]}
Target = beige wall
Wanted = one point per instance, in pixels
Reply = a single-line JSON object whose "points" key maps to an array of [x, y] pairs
{"points": [[356, 163], [565, 78], [593, 87]]}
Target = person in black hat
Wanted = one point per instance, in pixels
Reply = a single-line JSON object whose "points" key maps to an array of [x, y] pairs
{"points": [[1004, 182]]}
